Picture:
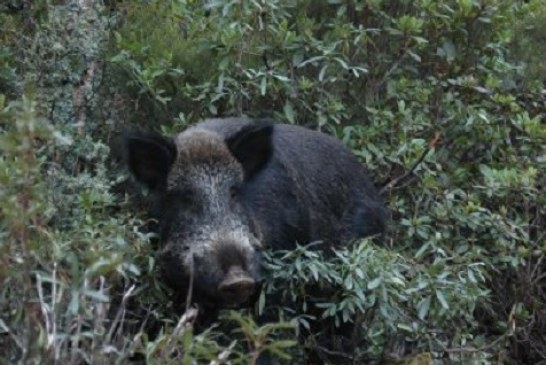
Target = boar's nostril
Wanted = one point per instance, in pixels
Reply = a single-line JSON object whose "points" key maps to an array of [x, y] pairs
{"points": [[236, 287]]}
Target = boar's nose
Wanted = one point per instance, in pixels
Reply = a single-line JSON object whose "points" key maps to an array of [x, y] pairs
{"points": [[236, 287]]}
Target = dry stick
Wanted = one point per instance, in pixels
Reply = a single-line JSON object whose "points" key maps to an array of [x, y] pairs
{"points": [[477, 349], [50, 334], [223, 356], [120, 313], [535, 269], [190, 286], [189, 314], [186, 318], [56, 343], [10, 333], [395, 181]]}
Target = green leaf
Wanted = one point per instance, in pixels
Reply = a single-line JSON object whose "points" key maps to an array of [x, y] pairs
{"points": [[289, 112], [442, 299], [423, 307], [263, 86], [375, 283]]}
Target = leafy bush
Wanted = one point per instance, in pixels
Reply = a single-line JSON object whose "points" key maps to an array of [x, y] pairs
{"points": [[443, 101], [58, 254], [383, 294]]}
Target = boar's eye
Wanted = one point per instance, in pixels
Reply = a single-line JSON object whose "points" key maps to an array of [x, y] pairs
{"points": [[180, 196], [234, 191]]}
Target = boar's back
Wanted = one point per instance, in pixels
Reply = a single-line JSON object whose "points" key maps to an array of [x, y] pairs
{"points": [[313, 188]]}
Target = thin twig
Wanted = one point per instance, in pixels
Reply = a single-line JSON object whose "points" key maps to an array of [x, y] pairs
{"points": [[120, 313], [224, 354], [181, 326], [408, 173], [186, 318], [43, 307], [190, 285], [478, 349], [15, 339]]}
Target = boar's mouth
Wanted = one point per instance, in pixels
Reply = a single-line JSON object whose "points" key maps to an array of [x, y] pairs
{"points": [[225, 277], [236, 288]]}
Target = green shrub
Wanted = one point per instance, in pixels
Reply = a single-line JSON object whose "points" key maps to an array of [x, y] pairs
{"points": [[62, 255], [377, 294]]}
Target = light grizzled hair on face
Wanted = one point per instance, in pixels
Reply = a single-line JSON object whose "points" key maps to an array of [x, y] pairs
{"points": [[202, 147], [197, 148]]}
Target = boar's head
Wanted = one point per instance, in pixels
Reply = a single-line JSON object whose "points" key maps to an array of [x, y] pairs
{"points": [[210, 242]]}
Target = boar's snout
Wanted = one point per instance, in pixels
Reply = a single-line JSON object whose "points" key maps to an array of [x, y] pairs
{"points": [[236, 287]]}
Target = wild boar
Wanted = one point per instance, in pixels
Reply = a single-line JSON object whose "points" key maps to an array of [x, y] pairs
{"points": [[226, 189]]}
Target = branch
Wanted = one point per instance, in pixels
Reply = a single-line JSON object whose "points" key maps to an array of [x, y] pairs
{"points": [[408, 173]]}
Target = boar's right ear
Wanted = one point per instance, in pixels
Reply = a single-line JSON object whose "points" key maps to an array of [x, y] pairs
{"points": [[149, 158], [252, 146]]}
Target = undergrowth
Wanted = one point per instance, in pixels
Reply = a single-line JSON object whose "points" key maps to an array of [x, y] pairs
{"points": [[443, 101]]}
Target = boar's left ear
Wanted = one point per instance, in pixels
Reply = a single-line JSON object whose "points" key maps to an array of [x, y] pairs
{"points": [[149, 158], [252, 146]]}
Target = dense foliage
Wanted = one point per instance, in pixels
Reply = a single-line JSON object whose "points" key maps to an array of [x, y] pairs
{"points": [[443, 101]]}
